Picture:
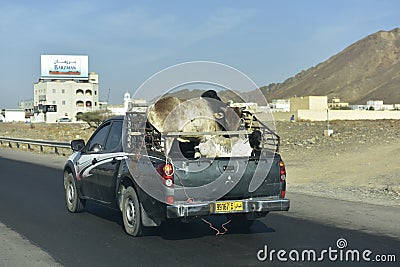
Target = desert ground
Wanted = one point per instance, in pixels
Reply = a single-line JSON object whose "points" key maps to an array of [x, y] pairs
{"points": [[359, 162]]}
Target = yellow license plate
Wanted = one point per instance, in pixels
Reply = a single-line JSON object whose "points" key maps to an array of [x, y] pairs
{"points": [[228, 206]]}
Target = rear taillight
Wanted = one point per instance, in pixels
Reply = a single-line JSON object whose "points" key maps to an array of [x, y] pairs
{"points": [[282, 171], [166, 171], [282, 178], [170, 200]]}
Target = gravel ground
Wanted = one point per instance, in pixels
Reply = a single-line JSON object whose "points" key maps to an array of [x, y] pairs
{"points": [[43, 131], [348, 136], [359, 162]]}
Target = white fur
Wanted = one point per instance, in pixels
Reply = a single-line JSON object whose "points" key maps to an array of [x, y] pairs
{"points": [[219, 146]]}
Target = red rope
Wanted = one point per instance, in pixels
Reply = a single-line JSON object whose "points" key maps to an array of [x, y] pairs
{"points": [[215, 229]]}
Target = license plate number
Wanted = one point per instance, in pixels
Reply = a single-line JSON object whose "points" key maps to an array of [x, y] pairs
{"points": [[228, 206]]}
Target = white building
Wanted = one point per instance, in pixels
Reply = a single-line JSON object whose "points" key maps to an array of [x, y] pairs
{"points": [[388, 107], [243, 105], [138, 105], [132, 104], [28, 106], [308, 103], [358, 107], [13, 115], [280, 105], [375, 104], [65, 88], [120, 109]]}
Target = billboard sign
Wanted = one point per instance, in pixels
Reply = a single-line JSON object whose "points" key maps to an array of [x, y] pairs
{"points": [[49, 108], [64, 67]]}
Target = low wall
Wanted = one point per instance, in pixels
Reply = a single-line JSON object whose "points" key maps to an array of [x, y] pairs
{"points": [[283, 116], [320, 115]]}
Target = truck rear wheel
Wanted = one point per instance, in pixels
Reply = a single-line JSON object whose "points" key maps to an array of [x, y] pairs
{"points": [[131, 212]]}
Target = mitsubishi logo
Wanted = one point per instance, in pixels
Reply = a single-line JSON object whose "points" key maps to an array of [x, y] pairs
{"points": [[229, 180]]}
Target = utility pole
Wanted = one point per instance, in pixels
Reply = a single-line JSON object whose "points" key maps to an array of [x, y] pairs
{"points": [[108, 96], [327, 118], [327, 132]]}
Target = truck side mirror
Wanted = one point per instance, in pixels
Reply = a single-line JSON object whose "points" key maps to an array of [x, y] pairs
{"points": [[77, 145]]}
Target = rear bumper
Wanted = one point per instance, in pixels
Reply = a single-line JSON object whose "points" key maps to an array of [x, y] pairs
{"points": [[208, 208]]}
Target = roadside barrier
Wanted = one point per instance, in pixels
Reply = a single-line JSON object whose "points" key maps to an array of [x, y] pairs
{"points": [[31, 142]]}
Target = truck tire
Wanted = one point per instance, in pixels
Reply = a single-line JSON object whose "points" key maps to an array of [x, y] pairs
{"points": [[131, 212], [74, 203]]}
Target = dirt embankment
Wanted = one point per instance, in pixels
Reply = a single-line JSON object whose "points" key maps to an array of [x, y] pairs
{"points": [[55, 132], [41, 131], [359, 162]]}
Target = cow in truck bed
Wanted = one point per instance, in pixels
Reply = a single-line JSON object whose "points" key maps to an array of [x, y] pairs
{"points": [[206, 114]]}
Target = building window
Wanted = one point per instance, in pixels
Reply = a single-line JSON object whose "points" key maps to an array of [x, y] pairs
{"points": [[63, 102], [54, 102], [79, 92], [95, 104], [95, 92], [88, 92], [79, 103], [88, 104], [63, 91], [54, 91]]}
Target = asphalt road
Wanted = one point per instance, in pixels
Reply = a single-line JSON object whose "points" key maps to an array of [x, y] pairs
{"points": [[32, 204]]}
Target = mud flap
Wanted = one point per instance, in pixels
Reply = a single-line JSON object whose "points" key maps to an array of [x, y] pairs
{"points": [[146, 220]]}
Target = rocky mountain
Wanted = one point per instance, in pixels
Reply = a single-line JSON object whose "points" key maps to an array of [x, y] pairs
{"points": [[368, 69]]}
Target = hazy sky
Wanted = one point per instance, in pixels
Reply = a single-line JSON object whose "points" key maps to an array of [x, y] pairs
{"points": [[128, 41]]}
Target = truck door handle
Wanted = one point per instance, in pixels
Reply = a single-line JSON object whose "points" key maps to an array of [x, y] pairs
{"points": [[228, 168], [114, 161], [94, 161]]}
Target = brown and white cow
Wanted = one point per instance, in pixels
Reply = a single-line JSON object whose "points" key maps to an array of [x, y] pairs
{"points": [[171, 114]]}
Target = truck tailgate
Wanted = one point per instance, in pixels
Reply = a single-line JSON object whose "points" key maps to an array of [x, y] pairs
{"points": [[226, 178]]}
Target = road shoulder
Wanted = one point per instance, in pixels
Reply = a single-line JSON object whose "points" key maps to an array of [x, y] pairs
{"points": [[18, 251], [49, 160], [370, 218]]}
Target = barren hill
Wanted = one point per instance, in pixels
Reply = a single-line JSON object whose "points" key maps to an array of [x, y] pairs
{"points": [[368, 69]]}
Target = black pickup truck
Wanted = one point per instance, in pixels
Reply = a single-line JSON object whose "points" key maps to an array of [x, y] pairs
{"points": [[124, 170]]}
